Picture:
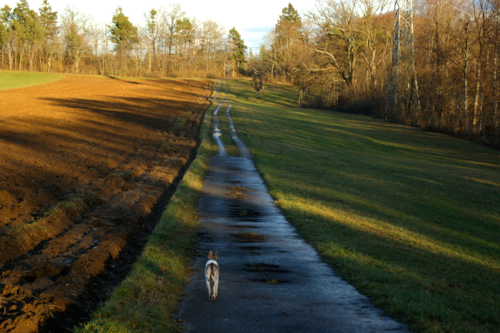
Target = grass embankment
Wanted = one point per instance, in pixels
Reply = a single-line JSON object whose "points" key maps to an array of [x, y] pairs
{"points": [[12, 80], [412, 219], [148, 298]]}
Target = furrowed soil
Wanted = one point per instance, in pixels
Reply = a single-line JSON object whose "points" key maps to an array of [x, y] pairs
{"points": [[86, 166]]}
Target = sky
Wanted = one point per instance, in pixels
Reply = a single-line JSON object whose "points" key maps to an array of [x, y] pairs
{"points": [[252, 19]]}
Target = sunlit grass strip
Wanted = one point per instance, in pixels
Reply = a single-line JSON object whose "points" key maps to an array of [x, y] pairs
{"points": [[12, 80], [411, 219], [148, 298]]}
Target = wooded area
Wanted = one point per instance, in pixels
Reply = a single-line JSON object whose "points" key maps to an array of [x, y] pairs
{"points": [[169, 44], [340, 51]]}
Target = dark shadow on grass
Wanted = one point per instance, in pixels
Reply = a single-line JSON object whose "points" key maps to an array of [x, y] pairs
{"points": [[421, 184], [374, 263]]}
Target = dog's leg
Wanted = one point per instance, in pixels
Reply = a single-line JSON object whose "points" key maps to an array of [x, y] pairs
{"points": [[216, 283], [208, 275], [216, 276]]}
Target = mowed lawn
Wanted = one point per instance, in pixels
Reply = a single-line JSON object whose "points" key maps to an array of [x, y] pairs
{"points": [[12, 80], [410, 218]]}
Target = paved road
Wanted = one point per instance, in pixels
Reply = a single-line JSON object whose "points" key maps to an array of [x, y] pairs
{"points": [[271, 280]]}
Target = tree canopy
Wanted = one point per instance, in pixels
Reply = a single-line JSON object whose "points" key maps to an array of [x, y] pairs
{"points": [[123, 32], [238, 49]]}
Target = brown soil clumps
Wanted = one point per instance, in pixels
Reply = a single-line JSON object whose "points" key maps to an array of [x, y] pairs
{"points": [[83, 162]]}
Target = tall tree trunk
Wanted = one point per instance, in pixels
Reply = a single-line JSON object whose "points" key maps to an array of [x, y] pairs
{"points": [[11, 58], [49, 60], [465, 74], [15, 57], [32, 56], [21, 56], [479, 64], [495, 68], [481, 99]]}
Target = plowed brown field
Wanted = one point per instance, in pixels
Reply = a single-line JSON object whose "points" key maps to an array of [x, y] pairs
{"points": [[83, 161]]}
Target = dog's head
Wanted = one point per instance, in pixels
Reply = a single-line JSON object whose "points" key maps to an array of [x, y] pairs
{"points": [[211, 255]]}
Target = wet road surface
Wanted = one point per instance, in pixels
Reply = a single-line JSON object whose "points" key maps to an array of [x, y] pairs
{"points": [[271, 279]]}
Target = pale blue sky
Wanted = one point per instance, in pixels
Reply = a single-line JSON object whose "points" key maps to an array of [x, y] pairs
{"points": [[253, 19]]}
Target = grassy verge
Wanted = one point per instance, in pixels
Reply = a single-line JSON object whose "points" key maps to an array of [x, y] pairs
{"points": [[411, 219], [148, 298], [12, 80]]}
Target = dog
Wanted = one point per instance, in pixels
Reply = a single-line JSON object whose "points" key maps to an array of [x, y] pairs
{"points": [[212, 275]]}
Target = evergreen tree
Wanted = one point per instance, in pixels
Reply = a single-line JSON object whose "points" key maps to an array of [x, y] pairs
{"points": [[152, 33], [152, 30], [288, 32], [48, 21], [123, 33], [5, 21], [183, 29], [238, 50], [29, 31], [5, 14], [3, 33], [290, 15]]}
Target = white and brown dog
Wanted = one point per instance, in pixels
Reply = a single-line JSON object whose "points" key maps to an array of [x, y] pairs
{"points": [[212, 274]]}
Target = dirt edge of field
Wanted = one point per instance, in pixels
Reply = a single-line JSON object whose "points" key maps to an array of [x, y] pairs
{"points": [[115, 270], [77, 237]]}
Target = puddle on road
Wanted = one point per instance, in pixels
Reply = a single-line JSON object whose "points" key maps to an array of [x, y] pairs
{"points": [[244, 226], [204, 237], [266, 268], [244, 214], [251, 248], [270, 281], [239, 211], [249, 237]]}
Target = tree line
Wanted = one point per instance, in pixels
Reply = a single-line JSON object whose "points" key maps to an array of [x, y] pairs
{"points": [[169, 44], [341, 50], [338, 54]]}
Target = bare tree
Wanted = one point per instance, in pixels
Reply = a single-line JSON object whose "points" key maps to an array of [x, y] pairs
{"points": [[339, 36], [211, 42], [75, 31], [151, 34], [481, 25], [496, 33], [375, 40], [169, 20]]}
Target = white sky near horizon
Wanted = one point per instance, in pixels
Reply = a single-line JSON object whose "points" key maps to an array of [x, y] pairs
{"points": [[252, 19]]}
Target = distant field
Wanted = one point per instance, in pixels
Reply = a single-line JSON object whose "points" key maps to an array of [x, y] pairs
{"points": [[11, 80], [411, 218]]}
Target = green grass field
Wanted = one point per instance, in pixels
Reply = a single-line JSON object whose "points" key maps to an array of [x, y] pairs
{"points": [[12, 80], [411, 219]]}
